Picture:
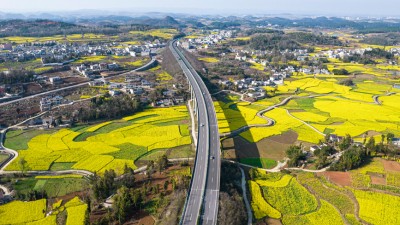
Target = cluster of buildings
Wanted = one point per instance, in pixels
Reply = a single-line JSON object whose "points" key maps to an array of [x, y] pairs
{"points": [[342, 53], [250, 87], [148, 49], [54, 53], [206, 41], [138, 86], [89, 70], [299, 54]]}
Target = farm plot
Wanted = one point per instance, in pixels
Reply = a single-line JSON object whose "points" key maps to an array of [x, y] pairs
{"points": [[326, 214], [233, 115], [292, 199], [260, 207], [283, 123], [378, 208], [32, 211], [109, 146]]}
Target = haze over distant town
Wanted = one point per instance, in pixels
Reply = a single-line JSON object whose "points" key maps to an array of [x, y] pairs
{"points": [[223, 7]]}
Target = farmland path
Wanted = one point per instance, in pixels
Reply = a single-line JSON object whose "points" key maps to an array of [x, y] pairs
{"points": [[5, 190], [276, 169], [270, 122], [246, 201], [142, 68], [305, 123], [376, 97]]}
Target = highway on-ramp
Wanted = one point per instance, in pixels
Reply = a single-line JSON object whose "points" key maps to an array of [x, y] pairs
{"points": [[203, 196]]}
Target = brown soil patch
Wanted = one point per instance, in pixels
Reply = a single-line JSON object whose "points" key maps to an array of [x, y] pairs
{"points": [[378, 180], [63, 74], [74, 79], [32, 88], [364, 76], [391, 166], [339, 178], [141, 218], [371, 133], [288, 137], [272, 147]]}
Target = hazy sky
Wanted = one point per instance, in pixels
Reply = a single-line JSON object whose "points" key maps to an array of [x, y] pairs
{"points": [[319, 7]]}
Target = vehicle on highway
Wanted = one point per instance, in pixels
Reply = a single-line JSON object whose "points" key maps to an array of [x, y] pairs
{"points": [[202, 125]]}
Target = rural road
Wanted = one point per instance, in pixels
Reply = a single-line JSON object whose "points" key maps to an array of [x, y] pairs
{"points": [[14, 154], [203, 196], [72, 86], [246, 201]]}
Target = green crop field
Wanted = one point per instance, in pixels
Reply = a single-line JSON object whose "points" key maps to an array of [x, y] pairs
{"points": [[108, 145], [259, 162], [54, 186]]}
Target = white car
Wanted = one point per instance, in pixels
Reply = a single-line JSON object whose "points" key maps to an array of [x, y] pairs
{"points": [[202, 125]]}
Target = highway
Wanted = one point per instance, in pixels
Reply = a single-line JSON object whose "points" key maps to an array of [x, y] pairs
{"points": [[203, 195]]}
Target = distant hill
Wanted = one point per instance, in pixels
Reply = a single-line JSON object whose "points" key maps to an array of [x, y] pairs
{"points": [[34, 27]]}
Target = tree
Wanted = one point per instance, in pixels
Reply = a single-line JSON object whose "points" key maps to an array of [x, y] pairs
{"points": [[389, 137], [370, 145], [162, 163], [150, 168], [346, 82], [351, 159], [23, 165], [122, 204], [345, 143], [295, 154], [382, 138]]}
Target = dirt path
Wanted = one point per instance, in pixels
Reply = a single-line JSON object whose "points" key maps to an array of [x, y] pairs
{"points": [[305, 123], [376, 98], [270, 122], [246, 201]]}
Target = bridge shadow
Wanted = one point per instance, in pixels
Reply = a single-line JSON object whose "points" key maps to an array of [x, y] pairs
{"points": [[235, 147]]}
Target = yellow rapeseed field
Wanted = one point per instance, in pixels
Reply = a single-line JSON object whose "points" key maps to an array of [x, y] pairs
{"points": [[101, 151], [260, 207], [18, 212]]}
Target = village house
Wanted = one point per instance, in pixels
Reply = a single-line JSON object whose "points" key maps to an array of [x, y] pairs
{"points": [[55, 80], [47, 103], [396, 142]]}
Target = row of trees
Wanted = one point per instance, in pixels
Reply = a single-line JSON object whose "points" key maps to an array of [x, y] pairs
{"points": [[355, 156], [16, 76], [105, 107]]}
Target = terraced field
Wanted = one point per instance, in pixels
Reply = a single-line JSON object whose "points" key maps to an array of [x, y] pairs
{"points": [[108, 145], [308, 198], [320, 106]]}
